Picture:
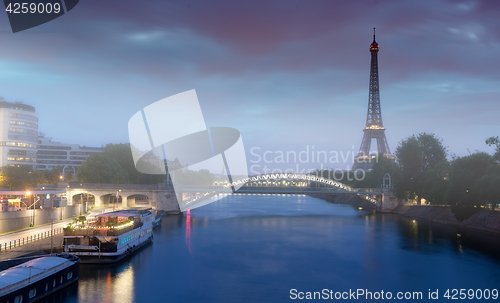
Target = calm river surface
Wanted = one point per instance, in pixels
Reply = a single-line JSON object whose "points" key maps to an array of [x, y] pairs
{"points": [[256, 248]]}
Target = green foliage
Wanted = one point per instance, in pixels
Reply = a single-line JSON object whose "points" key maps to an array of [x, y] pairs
{"points": [[495, 141], [82, 219], [22, 177], [122, 154], [436, 183], [373, 178], [415, 156], [116, 166], [488, 189], [465, 175], [68, 227], [382, 166], [112, 223], [99, 168]]}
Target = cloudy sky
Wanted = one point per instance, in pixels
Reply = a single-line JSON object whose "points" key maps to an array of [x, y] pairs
{"points": [[290, 75]]}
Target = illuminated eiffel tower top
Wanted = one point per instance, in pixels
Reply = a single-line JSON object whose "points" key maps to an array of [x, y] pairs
{"points": [[374, 116]]}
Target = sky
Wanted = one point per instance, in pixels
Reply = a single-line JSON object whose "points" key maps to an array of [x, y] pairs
{"points": [[290, 75]]}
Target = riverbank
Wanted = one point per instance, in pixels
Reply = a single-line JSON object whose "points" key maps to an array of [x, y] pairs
{"points": [[484, 220]]}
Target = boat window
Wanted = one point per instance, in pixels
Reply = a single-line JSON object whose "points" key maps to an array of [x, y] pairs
{"points": [[54, 283], [61, 279], [46, 286], [32, 293], [70, 275], [18, 299]]}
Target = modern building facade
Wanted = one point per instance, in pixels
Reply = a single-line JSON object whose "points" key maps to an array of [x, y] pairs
{"points": [[20, 144], [52, 154], [18, 134]]}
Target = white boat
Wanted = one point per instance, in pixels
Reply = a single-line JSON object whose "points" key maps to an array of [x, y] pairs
{"points": [[112, 237], [158, 219]]}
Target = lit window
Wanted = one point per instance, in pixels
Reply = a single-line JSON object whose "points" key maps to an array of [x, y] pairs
{"points": [[18, 299], [70, 275], [54, 283], [46, 286], [61, 279]]}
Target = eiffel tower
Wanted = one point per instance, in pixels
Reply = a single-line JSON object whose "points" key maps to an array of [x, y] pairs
{"points": [[374, 128]]}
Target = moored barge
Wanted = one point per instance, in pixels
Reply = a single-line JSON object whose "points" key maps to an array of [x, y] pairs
{"points": [[38, 278], [112, 237]]}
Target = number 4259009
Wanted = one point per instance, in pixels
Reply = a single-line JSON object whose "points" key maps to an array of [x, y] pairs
{"points": [[471, 294], [33, 8]]}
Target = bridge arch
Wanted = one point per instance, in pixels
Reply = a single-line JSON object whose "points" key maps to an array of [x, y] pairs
{"points": [[138, 199], [80, 197], [294, 177], [290, 177], [110, 199]]}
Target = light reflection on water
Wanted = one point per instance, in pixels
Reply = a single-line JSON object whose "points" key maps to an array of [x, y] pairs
{"points": [[106, 283], [248, 248]]}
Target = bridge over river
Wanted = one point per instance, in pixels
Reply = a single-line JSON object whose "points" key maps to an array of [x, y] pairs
{"points": [[290, 183], [163, 196]]}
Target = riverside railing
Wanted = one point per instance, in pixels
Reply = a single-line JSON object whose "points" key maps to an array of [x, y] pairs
{"points": [[30, 239]]}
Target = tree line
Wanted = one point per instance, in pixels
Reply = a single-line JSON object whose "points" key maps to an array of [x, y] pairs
{"points": [[23, 178], [115, 165], [421, 170]]}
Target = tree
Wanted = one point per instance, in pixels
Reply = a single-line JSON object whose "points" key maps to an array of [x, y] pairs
{"points": [[494, 141], [22, 177], [466, 181], [122, 154], [15, 177], [415, 156], [120, 162], [98, 168], [488, 189], [382, 166], [436, 183]]}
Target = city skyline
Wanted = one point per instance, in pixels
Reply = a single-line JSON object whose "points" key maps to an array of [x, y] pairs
{"points": [[287, 75]]}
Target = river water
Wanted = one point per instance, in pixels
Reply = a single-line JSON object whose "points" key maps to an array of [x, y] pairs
{"points": [[259, 248]]}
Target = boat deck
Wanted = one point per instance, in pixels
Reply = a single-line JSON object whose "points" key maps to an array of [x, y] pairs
{"points": [[21, 275]]}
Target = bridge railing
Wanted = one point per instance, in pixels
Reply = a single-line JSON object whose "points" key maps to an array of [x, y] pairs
{"points": [[113, 186], [280, 188]]}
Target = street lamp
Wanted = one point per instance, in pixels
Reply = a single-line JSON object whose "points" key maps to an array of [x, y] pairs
{"points": [[117, 197], [32, 206], [51, 232]]}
